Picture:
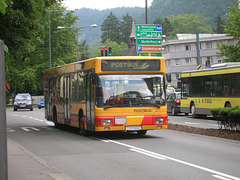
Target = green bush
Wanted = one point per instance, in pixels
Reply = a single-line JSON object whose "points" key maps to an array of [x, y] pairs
{"points": [[228, 117]]}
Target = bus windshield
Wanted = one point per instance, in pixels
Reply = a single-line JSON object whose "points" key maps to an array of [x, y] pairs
{"points": [[130, 91]]}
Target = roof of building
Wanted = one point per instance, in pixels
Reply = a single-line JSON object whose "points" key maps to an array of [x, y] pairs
{"points": [[133, 33], [130, 51], [193, 36]]}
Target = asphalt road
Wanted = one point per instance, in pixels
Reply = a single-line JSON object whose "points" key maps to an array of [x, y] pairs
{"points": [[181, 119], [160, 154]]}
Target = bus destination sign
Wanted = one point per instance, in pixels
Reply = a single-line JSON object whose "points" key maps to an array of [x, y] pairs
{"points": [[131, 65]]}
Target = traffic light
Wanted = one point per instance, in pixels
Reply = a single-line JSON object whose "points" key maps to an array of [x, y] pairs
{"points": [[106, 53], [109, 51], [207, 63], [101, 51]]}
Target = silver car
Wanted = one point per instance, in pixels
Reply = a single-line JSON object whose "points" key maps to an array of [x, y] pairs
{"points": [[23, 101]]}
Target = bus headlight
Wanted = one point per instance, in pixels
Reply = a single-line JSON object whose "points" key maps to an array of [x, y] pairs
{"points": [[159, 120], [106, 122]]}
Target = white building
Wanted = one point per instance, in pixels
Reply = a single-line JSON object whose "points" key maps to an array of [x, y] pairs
{"points": [[181, 54]]}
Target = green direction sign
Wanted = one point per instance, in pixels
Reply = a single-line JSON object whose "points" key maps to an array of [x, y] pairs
{"points": [[148, 27], [149, 35], [149, 41], [150, 54]]}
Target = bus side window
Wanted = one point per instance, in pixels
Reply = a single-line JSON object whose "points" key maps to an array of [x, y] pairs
{"points": [[226, 91]]}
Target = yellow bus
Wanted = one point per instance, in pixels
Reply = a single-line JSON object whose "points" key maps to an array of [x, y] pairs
{"points": [[218, 86], [125, 93]]}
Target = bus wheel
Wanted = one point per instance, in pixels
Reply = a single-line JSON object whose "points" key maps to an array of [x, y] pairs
{"points": [[142, 132], [227, 104], [193, 110]]}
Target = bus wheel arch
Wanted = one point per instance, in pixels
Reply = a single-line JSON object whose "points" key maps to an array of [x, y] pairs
{"points": [[227, 104]]}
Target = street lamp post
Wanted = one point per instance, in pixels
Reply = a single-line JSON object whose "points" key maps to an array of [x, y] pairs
{"points": [[49, 31], [77, 28]]}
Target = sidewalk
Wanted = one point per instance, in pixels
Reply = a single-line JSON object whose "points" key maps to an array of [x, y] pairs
{"points": [[23, 165]]}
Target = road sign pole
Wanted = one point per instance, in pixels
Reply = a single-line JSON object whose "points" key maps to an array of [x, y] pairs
{"points": [[146, 11], [3, 133]]}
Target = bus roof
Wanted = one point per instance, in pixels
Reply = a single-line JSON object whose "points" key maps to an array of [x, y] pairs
{"points": [[223, 68], [89, 64]]}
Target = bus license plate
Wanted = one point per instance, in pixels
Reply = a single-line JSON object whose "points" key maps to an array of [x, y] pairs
{"points": [[133, 128]]}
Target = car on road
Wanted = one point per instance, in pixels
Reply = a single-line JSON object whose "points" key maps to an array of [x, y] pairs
{"points": [[173, 103], [41, 104], [23, 101]]}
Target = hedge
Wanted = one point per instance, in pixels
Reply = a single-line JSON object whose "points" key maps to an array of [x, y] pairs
{"points": [[229, 118]]}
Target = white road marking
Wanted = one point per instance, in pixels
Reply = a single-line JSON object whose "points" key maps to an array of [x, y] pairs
{"points": [[10, 130], [27, 129], [37, 119], [216, 174], [220, 177], [148, 154], [191, 123]]}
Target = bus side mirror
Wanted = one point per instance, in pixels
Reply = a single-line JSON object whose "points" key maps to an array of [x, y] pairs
{"points": [[168, 76]]}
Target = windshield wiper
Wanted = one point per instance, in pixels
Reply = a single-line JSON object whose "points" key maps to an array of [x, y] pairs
{"points": [[113, 106]]}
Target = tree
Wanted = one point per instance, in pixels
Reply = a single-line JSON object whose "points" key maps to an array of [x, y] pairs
{"points": [[83, 50], [3, 6], [24, 28], [219, 25], [167, 27], [231, 52], [117, 49], [189, 23], [158, 21], [185, 24], [111, 29], [126, 28]]}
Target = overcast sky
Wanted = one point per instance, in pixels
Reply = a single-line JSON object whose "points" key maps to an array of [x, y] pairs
{"points": [[104, 4]]}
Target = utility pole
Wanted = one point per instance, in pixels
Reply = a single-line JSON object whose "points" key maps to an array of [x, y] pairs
{"points": [[146, 11], [3, 133]]}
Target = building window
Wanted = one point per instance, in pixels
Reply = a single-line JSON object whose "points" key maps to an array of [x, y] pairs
{"points": [[167, 62], [176, 48], [209, 59], [178, 62], [209, 45], [178, 75], [188, 61], [188, 47]]}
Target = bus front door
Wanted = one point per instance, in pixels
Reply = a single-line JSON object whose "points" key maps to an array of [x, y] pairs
{"points": [[67, 100], [90, 104]]}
